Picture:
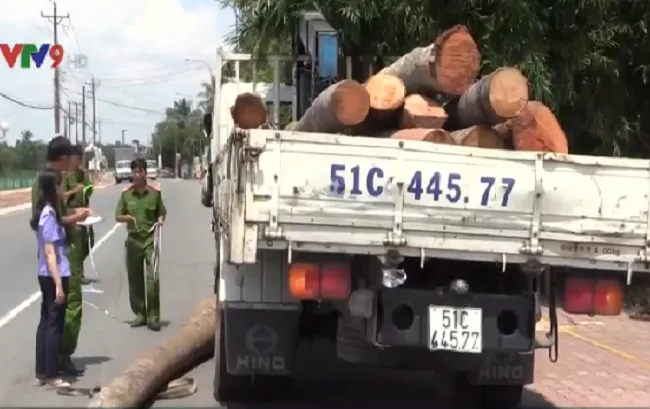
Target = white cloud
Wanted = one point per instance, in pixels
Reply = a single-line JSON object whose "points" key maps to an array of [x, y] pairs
{"points": [[136, 49]]}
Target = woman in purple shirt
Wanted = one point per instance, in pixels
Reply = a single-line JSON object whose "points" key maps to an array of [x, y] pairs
{"points": [[53, 274]]}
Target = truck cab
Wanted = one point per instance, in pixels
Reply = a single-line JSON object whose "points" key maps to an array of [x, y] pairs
{"points": [[122, 171]]}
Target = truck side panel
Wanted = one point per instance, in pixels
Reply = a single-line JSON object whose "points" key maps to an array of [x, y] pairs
{"points": [[262, 282]]}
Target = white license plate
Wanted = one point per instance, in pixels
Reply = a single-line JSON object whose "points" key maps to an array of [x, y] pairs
{"points": [[455, 329]]}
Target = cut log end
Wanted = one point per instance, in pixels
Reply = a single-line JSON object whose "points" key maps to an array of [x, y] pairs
{"points": [[422, 112], [386, 92], [508, 92], [479, 136], [350, 103], [537, 129], [427, 135], [456, 60], [249, 111]]}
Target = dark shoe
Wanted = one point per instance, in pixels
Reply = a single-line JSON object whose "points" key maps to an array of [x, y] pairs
{"points": [[154, 326], [67, 368], [138, 322], [85, 281]]}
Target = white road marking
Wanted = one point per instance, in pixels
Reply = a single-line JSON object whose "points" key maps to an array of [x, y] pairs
{"points": [[6, 319]]}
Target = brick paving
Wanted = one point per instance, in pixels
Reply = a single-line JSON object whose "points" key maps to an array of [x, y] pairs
{"points": [[604, 362]]}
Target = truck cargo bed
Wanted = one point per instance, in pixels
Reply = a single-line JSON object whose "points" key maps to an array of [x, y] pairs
{"points": [[336, 193]]}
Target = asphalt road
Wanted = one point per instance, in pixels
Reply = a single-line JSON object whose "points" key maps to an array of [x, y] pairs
{"points": [[108, 345]]}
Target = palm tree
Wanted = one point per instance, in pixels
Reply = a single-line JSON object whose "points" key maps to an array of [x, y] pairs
{"points": [[206, 96]]}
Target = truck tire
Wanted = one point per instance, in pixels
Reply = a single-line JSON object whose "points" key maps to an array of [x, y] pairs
{"points": [[502, 396], [351, 345], [454, 390], [235, 388], [206, 200]]}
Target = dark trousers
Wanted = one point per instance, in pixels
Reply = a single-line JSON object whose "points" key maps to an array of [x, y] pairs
{"points": [[50, 329]]}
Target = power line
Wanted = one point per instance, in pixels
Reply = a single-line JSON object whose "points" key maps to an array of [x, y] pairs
{"points": [[120, 105], [23, 104]]}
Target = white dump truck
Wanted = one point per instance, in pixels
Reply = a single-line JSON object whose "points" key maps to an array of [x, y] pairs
{"points": [[406, 254]]}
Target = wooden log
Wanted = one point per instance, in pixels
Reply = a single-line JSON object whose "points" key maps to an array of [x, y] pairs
{"points": [[449, 65], [419, 134], [537, 129], [193, 343], [291, 126], [249, 111], [479, 136], [422, 112], [386, 93], [341, 105], [493, 99], [504, 130]]}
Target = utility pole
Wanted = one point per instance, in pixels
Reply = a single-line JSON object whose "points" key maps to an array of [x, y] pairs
{"points": [[123, 132], [65, 125], [70, 120], [93, 86], [76, 123], [56, 20], [83, 116], [99, 133]]}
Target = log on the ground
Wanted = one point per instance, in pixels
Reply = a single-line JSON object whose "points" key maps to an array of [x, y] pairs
{"points": [[249, 111], [479, 136], [537, 129], [422, 112], [501, 95], [192, 344], [338, 107], [418, 134], [449, 65]]}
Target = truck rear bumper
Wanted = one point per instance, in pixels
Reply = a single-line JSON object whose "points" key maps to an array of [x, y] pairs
{"points": [[508, 334], [508, 321]]}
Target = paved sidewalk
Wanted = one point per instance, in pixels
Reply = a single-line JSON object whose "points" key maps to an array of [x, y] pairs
{"points": [[603, 362]]}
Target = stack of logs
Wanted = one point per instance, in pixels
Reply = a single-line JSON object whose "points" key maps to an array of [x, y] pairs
{"points": [[401, 101]]}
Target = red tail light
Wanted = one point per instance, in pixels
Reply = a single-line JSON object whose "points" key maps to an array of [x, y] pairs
{"points": [[608, 297], [578, 295], [312, 281], [593, 296]]}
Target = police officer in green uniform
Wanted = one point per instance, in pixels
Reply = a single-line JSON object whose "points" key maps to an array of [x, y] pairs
{"points": [[141, 207], [58, 153], [77, 189]]}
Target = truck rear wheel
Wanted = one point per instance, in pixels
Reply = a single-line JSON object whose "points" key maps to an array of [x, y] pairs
{"points": [[236, 388], [455, 391], [502, 396]]}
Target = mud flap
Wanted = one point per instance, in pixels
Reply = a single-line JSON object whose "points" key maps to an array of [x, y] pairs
{"points": [[261, 341], [504, 369]]}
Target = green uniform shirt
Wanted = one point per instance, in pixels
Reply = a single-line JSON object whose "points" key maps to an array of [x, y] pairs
{"points": [[146, 207], [70, 181]]}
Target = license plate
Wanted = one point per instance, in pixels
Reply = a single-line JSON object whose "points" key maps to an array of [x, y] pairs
{"points": [[455, 329]]}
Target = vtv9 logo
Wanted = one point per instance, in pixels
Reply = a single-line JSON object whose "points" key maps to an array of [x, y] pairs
{"points": [[31, 52]]}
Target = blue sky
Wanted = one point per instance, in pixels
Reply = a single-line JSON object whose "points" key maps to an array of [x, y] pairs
{"points": [[136, 50]]}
